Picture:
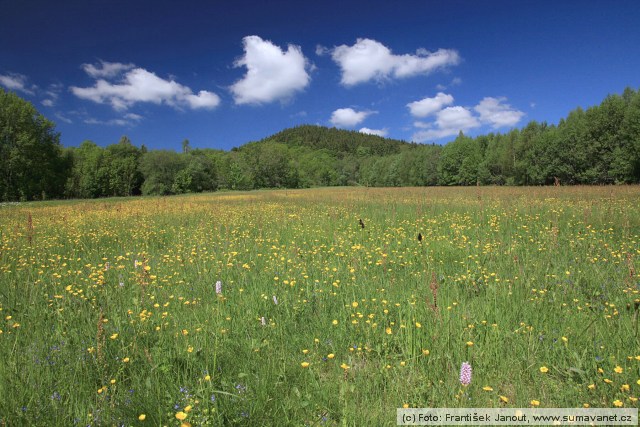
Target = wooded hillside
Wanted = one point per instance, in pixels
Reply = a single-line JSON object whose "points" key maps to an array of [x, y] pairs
{"points": [[599, 145]]}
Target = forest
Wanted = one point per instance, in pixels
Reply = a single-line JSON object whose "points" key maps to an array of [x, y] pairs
{"points": [[599, 145]]}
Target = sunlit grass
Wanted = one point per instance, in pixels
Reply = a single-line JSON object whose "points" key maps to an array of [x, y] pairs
{"points": [[110, 313]]}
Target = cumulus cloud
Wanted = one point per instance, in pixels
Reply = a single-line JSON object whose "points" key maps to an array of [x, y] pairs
{"points": [[140, 85], [456, 118], [427, 106], [16, 82], [497, 113], [348, 117], [379, 132], [272, 74], [371, 60], [449, 121], [106, 69]]}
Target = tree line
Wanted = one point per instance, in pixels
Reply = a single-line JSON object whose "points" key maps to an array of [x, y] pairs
{"points": [[600, 145]]}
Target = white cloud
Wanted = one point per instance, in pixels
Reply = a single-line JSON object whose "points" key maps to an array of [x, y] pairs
{"points": [[428, 106], [52, 94], [17, 82], [449, 121], [322, 50], [133, 116], [456, 118], [369, 59], [456, 81], [348, 117], [380, 132], [140, 85], [497, 113], [272, 74], [61, 117], [112, 122], [204, 99], [106, 69]]}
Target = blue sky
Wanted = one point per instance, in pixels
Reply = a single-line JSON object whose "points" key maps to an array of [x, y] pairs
{"points": [[223, 73]]}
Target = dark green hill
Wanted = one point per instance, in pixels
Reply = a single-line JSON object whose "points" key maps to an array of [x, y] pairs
{"points": [[338, 141]]}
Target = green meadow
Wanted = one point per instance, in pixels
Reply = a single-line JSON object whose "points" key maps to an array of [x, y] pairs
{"points": [[328, 309]]}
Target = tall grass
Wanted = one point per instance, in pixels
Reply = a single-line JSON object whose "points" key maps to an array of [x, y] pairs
{"points": [[110, 314]]}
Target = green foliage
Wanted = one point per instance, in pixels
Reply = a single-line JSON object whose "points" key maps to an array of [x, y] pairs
{"points": [[459, 162], [600, 145], [31, 162], [338, 141], [121, 163], [199, 175], [87, 178], [160, 168], [271, 165]]}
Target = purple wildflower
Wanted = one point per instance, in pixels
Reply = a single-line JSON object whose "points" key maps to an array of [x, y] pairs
{"points": [[465, 374], [218, 287]]}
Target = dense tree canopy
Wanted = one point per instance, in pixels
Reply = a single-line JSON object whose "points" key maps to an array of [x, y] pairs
{"points": [[600, 145], [31, 162]]}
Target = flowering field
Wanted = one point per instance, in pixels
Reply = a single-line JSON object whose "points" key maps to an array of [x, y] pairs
{"points": [[318, 307]]}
